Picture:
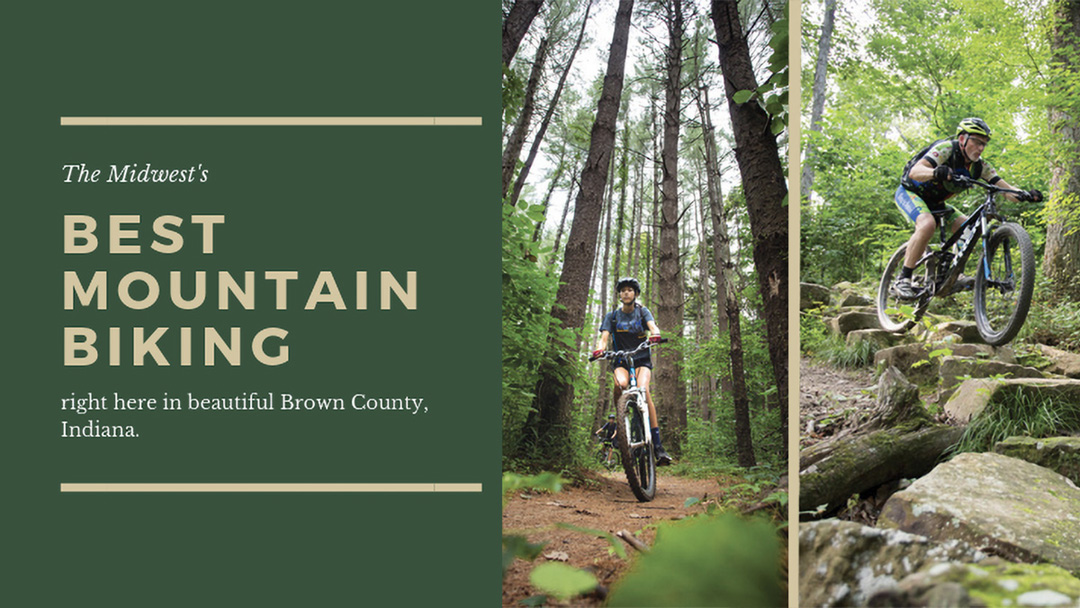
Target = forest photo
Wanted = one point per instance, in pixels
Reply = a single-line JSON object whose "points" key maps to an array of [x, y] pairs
{"points": [[940, 303], [645, 208]]}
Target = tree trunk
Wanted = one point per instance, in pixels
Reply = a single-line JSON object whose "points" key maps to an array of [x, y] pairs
{"points": [[519, 183], [548, 426], [669, 387], [562, 226], [818, 105], [763, 182], [604, 401], [1061, 261], [521, 128], [514, 26], [623, 175], [560, 166], [705, 323]]}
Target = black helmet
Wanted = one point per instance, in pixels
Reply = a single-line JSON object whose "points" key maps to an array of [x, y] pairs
{"points": [[631, 281], [611, 416], [973, 125]]}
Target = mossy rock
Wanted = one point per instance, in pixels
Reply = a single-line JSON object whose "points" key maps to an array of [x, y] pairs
{"points": [[1059, 454]]}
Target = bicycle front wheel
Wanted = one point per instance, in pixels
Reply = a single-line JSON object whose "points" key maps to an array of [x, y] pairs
{"points": [[896, 315], [1004, 283], [638, 459]]}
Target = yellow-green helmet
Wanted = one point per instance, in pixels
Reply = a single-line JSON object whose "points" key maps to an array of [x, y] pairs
{"points": [[976, 126]]}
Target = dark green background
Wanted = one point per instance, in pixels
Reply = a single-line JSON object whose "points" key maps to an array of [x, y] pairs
{"points": [[295, 198]]}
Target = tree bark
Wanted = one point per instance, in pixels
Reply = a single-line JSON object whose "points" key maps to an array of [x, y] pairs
{"points": [[545, 122], [721, 244], [515, 25], [1061, 260], [521, 128], [548, 426], [818, 105], [763, 182], [671, 391]]}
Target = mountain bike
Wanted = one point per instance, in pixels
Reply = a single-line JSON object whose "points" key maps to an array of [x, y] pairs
{"points": [[607, 454], [1004, 278], [633, 436]]}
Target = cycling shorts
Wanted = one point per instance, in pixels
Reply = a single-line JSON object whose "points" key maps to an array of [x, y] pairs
{"points": [[646, 362], [912, 205]]}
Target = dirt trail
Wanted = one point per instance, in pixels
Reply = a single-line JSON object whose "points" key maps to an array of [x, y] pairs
{"points": [[603, 503], [830, 399]]}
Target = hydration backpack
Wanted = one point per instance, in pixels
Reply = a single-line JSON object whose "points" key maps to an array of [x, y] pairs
{"points": [[955, 162]]}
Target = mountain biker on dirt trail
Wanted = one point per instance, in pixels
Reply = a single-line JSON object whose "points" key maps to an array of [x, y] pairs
{"points": [[606, 434], [630, 324], [927, 183]]}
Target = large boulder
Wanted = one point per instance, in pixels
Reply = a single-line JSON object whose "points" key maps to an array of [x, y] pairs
{"points": [[984, 351], [967, 330], [954, 369], [847, 322], [812, 295], [1061, 362], [1018, 510], [843, 563], [911, 359], [992, 582], [852, 298], [1059, 454], [974, 394]]}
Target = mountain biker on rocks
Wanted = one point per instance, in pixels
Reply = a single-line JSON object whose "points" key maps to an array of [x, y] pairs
{"points": [[631, 325], [927, 182]]}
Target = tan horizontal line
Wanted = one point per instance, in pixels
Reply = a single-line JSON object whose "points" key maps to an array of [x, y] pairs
{"points": [[269, 121], [271, 487]]}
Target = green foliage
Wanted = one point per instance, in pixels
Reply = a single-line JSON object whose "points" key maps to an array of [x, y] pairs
{"points": [[813, 333], [902, 83], [1027, 413], [561, 580], [1053, 321], [839, 353], [772, 96], [706, 561]]}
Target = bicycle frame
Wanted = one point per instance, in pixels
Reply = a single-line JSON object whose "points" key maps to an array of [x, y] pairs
{"points": [[640, 402], [979, 222]]}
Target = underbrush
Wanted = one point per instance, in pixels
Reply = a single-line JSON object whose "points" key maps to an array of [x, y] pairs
{"points": [[1053, 322], [1023, 413], [841, 354]]}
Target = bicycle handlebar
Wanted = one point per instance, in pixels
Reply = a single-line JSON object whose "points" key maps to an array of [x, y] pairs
{"points": [[963, 179], [616, 354]]}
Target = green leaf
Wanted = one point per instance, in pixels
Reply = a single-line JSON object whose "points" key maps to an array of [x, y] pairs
{"points": [[561, 580], [515, 546], [742, 96], [693, 500], [536, 600], [777, 125]]}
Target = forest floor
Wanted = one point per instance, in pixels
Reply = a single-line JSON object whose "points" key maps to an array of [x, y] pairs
{"points": [[603, 502], [830, 399]]}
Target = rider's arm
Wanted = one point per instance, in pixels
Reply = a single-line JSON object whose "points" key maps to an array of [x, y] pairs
{"points": [[923, 171], [601, 342], [1003, 184], [653, 328]]}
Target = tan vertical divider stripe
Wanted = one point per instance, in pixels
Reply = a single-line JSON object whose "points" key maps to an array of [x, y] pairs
{"points": [[794, 348], [271, 487], [269, 121]]}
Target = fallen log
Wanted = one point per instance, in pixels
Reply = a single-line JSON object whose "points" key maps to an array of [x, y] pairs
{"points": [[898, 440]]}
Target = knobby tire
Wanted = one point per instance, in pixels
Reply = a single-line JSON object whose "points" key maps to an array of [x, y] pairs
{"points": [[894, 322], [1002, 299], [639, 463]]}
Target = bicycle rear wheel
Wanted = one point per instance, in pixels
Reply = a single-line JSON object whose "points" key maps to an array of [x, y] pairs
{"points": [[638, 459], [1004, 283], [896, 315]]}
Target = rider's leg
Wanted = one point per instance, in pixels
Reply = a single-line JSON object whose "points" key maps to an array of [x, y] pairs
{"points": [[622, 380], [924, 231], [644, 375]]}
